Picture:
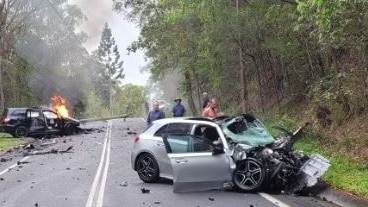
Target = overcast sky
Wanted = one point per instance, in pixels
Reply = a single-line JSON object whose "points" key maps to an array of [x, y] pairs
{"points": [[100, 11]]}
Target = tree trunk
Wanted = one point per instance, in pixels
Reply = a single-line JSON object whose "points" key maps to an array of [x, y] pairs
{"points": [[243, 84], [2, 99], [189, 92]]}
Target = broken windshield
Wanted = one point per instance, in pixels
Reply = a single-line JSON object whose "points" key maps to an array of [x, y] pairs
{"points": [[252, 133]]}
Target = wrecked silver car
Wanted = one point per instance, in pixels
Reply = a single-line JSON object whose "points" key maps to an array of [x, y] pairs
{"points": [[201, 154]]}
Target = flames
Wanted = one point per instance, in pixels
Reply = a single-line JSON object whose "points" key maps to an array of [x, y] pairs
{"points": [[58, 104]]}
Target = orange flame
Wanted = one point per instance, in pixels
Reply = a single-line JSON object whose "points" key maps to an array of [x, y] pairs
{"points": [[59, 106]]}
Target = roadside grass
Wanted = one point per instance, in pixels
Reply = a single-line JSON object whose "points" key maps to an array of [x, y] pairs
{"points": [[8, 142], [344, 173]]}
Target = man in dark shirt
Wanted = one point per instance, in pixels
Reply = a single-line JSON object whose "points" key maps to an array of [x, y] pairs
{"points": [[205, 100], [178, 109], [155, 114]]}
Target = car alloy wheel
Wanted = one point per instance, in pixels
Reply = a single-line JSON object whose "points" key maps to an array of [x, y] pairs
{"points": [[147, 168], [20, 131], [249, 175]]}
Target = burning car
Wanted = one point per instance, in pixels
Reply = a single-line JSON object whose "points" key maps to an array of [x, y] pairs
{"points": [[201, 154], [39, 121]]}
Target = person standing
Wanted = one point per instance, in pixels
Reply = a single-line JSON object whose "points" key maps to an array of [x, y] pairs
{"points": [[212, 110], [178, 109], [155, 114], [205, 100]]}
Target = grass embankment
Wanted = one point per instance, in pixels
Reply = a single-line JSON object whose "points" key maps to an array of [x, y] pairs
{"points": [[7, 142], [345, 173]]}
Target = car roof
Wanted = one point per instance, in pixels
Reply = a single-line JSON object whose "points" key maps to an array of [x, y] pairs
{"points": [[182, 119]]}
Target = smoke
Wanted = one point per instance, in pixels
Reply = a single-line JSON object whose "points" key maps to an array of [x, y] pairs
{"points": [[98, 12]]}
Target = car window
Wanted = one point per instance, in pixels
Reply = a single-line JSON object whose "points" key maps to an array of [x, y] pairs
{"points": [[177, 143], [33, 114], [50, 115], [179, 128], [18, 113], [160, 132], [174, 128], [200, 144]]}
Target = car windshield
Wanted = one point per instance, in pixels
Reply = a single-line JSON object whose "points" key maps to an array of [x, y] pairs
{"points": [[252, 133]]}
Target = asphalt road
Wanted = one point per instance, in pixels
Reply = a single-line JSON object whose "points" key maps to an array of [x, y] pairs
{"points": [[97, 172]]}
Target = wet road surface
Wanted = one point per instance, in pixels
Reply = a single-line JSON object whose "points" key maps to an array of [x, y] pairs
{"points": [[97, 172]]}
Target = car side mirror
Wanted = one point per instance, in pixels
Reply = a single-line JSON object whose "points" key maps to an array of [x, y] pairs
{"points": [[218, 149]]}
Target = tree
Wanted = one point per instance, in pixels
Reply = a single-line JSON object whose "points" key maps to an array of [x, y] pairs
{"points": [[110, 73]]}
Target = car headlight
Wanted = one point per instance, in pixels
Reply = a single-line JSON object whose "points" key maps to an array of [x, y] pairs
{"points": [[266, 152]]}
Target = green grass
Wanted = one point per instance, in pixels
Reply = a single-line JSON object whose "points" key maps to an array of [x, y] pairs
{"points": [[343, 174], [7, 142]]}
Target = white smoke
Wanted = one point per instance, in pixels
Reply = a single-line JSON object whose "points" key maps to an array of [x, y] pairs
{"points": [[98, 12]]}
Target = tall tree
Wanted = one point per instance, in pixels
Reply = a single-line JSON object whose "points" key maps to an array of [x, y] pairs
{"points": [[111, 72]]}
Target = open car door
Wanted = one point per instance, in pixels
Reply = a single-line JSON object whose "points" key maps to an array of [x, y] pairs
{"points": [[197, 163]]}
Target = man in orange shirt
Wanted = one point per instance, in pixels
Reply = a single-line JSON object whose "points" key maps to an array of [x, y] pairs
{"points": [[212, 110]]}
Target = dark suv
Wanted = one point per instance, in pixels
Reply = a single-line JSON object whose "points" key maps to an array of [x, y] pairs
{"points": [[36, 122]]}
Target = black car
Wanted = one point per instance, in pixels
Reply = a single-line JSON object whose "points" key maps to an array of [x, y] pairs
{"points": [[36, 122]]}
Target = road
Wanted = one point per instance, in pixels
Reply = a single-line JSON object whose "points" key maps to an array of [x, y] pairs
{"points": [[98, 173]]}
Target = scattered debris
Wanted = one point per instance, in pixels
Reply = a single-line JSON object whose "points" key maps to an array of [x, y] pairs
{"points": [[211, 198], [68, 168], [144, 190], [1, 179], [124, 184], [64, 141], [29, 146], [157, 202], [22, 162], [132, 133], [48, 143], [5, 159], [67, 150], [36, 205], [81, 168], [52, 151]]}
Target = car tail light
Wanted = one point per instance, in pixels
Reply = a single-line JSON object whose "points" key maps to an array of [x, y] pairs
{"points": [[6, 120], [136, 139]]}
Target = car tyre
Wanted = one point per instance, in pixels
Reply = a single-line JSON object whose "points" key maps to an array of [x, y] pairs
{"points": [[249, 175], [69, 130], [20, 131], [147, 168]]}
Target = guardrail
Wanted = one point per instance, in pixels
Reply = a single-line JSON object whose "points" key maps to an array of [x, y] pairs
{"points": [[124, 116]]}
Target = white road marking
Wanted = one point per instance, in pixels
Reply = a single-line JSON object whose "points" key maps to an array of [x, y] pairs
{"points": [[273, 200], [96, 179], [104, 176], [13, 166]]}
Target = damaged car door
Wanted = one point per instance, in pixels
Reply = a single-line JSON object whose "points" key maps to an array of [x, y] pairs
{"points": [[197, 163]]}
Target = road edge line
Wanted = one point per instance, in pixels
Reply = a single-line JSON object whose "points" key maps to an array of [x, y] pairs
{"points": [[101, 193], [273, 200], [97, 176], [13, 166]]}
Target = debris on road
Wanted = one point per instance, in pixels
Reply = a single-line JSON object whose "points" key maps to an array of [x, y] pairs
{"points": [[52, 151], [22, 162], [5, 159], [211, 198], [124, 184], [157, 202], [132, 133], [144, 190]]}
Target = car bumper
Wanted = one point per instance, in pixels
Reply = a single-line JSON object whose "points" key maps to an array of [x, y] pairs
{"points": [[7, 128]]}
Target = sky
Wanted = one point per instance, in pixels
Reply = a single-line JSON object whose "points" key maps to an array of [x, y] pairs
{"points": [[98, 12]]}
